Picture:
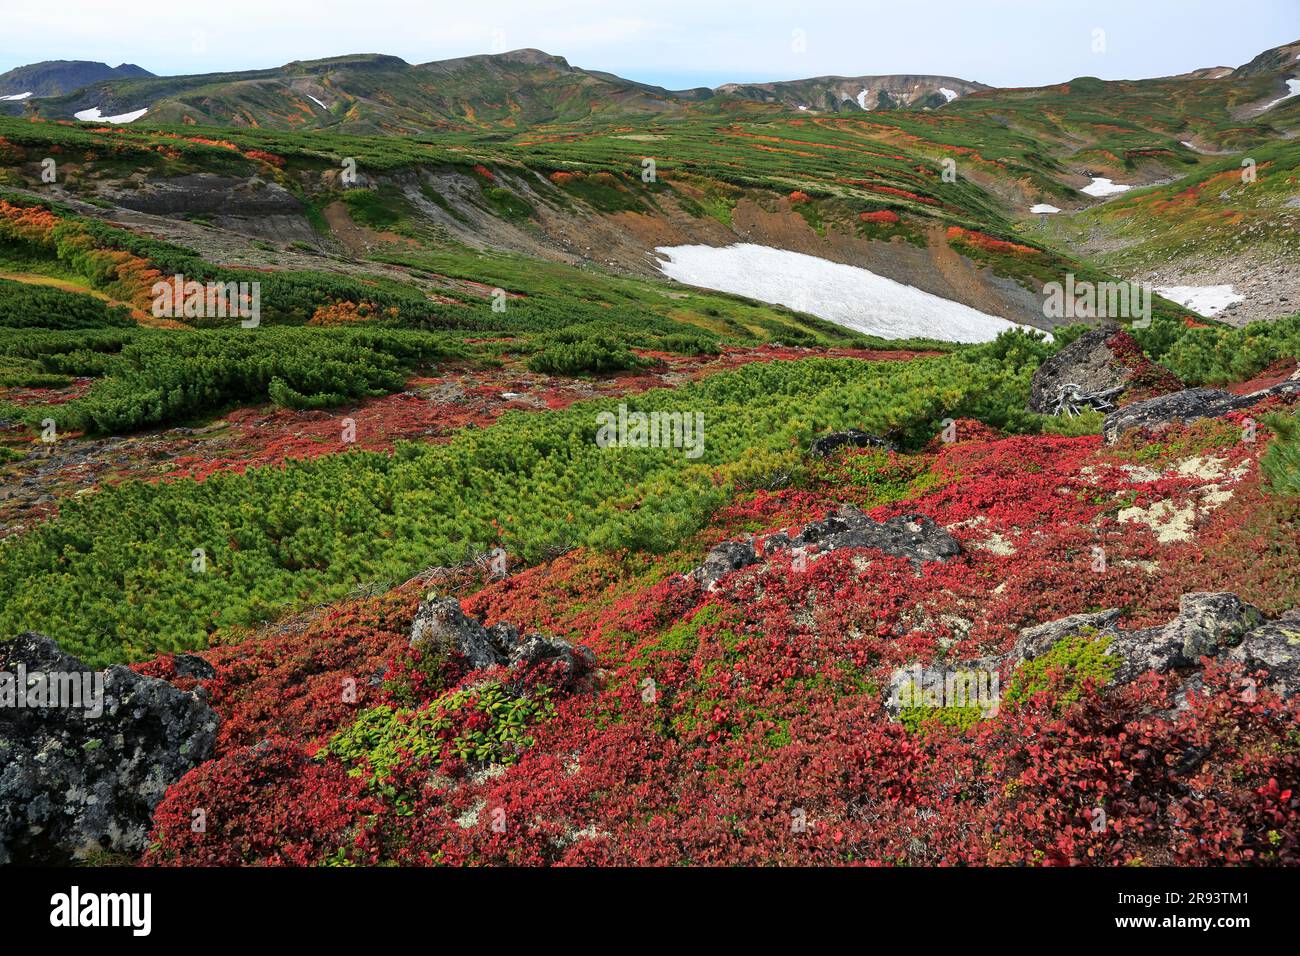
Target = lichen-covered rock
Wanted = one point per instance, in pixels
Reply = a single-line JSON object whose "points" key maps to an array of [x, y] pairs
{"points": [[1187, 405], [569, 665], [1273, 646], [1033, 642], [75, 780], [1216, 625], [440, 627], [965, 684]]}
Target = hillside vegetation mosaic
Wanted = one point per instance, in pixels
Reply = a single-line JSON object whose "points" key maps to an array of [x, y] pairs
{"points": [[383, 498]]}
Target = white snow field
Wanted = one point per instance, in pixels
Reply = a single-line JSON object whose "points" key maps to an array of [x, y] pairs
{"points": [[1293, 85], [1043, 207], [15, 96], [949, 95], [94, 116], [862, 99], [1104, 187], [1208, 300], [317, 102], [846, 295]]}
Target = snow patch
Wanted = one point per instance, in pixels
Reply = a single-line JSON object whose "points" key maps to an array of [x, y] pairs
{"points": [[94, 116], [1042, 207], [16, 96], [1101, 186], [850, 296], [317, 102], [862, 98], [1294, 86], [1208, 300], [949, 95]]}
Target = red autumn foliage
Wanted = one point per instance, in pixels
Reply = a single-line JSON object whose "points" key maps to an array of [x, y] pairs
{"points": [[724, 717], [987, 243], [262, 156], [887, 216], [268, 804]]}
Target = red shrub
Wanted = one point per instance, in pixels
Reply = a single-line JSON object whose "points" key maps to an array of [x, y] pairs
{"points": [[268, 804]]}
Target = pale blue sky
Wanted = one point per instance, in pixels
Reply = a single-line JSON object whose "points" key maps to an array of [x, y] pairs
{"points": [[676, 43]]}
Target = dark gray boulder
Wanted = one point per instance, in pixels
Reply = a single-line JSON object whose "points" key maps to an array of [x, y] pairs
{"points": [[912, 536], [78, 779], [851, 438], [1187, 405], [724, 558], [1087, 365]]}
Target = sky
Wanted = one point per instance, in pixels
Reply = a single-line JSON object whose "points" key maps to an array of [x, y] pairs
{"points": [[673, 43]]}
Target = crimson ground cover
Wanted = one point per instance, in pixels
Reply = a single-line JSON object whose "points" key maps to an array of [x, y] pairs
{"points": [[746, 724]]}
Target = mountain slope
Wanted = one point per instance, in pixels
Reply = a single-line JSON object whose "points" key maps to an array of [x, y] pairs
{"points": [[373, 93]]}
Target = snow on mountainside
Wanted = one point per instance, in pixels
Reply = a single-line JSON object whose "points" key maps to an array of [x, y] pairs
{"points": [[846, 295], [853, 93]]}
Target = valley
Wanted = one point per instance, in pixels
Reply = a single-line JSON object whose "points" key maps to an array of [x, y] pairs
{"points": [[370, 584]]}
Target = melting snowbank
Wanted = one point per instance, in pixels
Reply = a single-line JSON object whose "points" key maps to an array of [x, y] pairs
{"points": [[1101, 186], [846, 295], [1208, 300], [1292, 85], [1044, 208], [15, 96], [94, 116]]}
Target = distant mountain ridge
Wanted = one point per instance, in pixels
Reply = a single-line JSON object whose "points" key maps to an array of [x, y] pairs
{"points": [[373, 93], [56, 77], [857, 93]]}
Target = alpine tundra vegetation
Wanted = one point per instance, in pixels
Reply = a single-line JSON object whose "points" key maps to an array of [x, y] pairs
{"points": [[495, 461]]}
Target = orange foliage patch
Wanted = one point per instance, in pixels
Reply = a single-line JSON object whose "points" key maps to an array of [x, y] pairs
{"points": [[988, 243]]}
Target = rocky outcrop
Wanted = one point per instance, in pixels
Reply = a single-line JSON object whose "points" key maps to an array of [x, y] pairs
{"points": [[206, 194], [1217, 625], [1273, 646], [832, 442], [82, 768], [1214, 625], [1085, 368], [912, 536], [723, 559], [440, 627], [1188, 405]]}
